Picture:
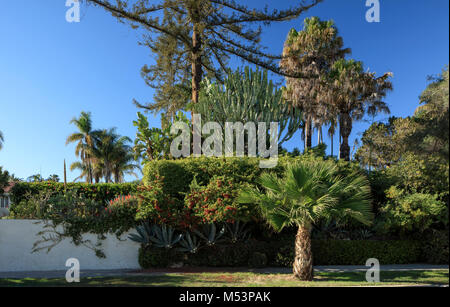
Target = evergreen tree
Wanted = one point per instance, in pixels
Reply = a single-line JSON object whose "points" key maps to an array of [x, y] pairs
{"points": [[194, 37]]}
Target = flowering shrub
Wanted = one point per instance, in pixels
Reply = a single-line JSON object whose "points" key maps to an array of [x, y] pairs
{"points": [[120, 212], [157, 207], [215, 202]]}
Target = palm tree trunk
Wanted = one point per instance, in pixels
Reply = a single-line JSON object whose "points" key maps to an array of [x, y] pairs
{"points": [[319, 135], [345, 128], [303, 262], [331, 139], [308, 133]]}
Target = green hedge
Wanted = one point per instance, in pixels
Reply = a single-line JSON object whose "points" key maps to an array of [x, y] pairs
{"points": [[228, 255], [278, 253], [356, 252], [178, 174], [99, 192]]}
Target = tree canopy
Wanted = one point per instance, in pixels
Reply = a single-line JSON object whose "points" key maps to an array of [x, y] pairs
{"points": [[195, 37]]}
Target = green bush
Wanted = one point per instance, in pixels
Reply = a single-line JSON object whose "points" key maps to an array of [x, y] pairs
{"points": [[355, 252], [101, 192], [257, 260], [158, 257], [226, 255], [281, 253], [412, 212], [178, 174], [436, 247]]}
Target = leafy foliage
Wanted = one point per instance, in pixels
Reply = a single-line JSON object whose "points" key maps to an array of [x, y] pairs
{"points": [[102, 192], [413, 212], [193, 38], [153, 143], [308, 192], [247, 96]]}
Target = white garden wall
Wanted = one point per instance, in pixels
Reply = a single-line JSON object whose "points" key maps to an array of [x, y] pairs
{"points": [[18, 236]]}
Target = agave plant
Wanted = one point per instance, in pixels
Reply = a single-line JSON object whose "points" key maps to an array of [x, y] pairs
{"points": [[163, 236], [189, 243], [144, 233], [237, 232], [210, 234]]}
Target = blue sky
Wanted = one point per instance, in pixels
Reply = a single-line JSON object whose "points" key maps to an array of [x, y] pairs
{"points": [[51, 70]]}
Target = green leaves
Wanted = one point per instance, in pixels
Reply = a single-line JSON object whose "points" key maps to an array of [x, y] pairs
{"points": [[310, 191], [247, 96]]}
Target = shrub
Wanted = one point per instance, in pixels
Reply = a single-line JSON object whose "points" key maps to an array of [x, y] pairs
{"points": [[412, 212], [355, 252], [78, 215], [158, 257], [225, 255], [156, 206], [216, 202], [181, 172], [436, 247], [101, 192], [257, 260]]}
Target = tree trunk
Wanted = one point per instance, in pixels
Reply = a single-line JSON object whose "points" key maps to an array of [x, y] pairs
{"points": [[308, 133], [345, 128], [196, 63], [303, 262], [331, 139], [319, 135]]}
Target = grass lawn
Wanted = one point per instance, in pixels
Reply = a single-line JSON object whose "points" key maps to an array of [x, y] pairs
{"points": [[322, 279]]}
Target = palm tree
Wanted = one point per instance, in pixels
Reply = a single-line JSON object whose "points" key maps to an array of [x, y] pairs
{"points": [[309, 192], [84, 140], [1, 140], [355, 93], [54, 178], [35, 178], [124, 165], [81, 167], [310, 51], [108, 147]]}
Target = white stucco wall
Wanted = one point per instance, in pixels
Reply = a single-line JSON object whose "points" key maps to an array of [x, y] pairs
{"points": [[18, 236]]}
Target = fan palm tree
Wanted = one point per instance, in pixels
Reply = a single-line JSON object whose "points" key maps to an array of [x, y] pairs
{"points": [[108, 147], [124, 165], [84, 140], [355, 93], [310, 51], [310, 191], [81, 167]]}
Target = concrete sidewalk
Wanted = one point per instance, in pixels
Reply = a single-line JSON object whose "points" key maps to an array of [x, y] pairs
{"points": [[117, 273]]}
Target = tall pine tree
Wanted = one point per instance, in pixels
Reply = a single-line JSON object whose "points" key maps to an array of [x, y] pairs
{"points": [[195, 37]]}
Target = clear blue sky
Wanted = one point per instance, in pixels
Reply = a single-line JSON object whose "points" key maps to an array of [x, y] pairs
{"points": [[51, 70]]}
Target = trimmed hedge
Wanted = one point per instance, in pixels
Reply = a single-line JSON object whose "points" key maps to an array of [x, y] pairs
{"points": [[98, 192], [178, 174], [228, 255], [254, 253]]}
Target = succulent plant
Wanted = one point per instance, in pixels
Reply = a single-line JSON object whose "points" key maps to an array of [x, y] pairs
{"points": [[189, 243], [237, 232], [144, 232], [163, 236], [210, 234]]}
